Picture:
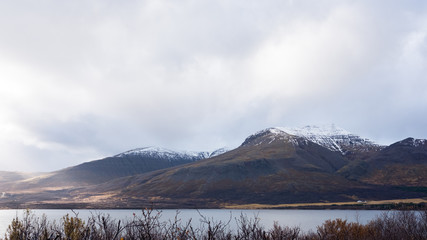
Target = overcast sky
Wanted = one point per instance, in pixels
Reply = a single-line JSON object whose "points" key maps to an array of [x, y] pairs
{"points": [[82, 80]]}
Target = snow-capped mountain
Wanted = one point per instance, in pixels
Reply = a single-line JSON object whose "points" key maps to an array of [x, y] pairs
{"points": [[268, 136], [329, 136], [285, 165], [412, 142], [171, 155], [218, 152]]}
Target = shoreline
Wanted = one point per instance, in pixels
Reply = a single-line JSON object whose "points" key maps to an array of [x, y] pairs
{"points": [[393, 204]]}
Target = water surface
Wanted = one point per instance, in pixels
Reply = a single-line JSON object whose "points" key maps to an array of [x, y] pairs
{"points": [[305, 219]]}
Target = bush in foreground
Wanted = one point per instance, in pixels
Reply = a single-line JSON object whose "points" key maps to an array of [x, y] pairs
{"points": [[147, 225]]}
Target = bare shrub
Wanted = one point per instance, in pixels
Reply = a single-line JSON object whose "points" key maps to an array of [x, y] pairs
{"points": [[400, 225], [101, 226], [175, 229], [211, 229], [148, 225], [250, 228], [423, 223], [30, 227], [284, 233]]}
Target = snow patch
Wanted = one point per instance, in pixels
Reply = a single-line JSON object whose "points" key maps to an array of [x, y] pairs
{"points": [[310, 130], [164, 153], [219, 152], [159, 152], [413, 142], [269, 136], [419, 142], [329, 136]]}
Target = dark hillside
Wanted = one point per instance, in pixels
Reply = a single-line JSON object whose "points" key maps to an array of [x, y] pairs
{"points": [[270, 167], [100, 171], [401, 164], [266, 168]]}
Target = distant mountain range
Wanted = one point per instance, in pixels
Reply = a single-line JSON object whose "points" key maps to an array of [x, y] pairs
{"points": [[272, 166], [129, 163]]}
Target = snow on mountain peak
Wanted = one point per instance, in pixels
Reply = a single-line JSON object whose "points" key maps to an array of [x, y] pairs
{"points": [[159, 152], [164, 153], [311, 130], [419, 142], [329, 136], [218, 152], [413, 142], [268, 136]]}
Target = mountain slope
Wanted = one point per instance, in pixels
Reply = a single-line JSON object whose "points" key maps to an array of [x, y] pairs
{"points": [[352, 146], [270, 166], [403, 163], [129, 163]]}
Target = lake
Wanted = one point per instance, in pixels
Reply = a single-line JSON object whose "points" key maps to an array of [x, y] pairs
{"points": [[305, 219]]}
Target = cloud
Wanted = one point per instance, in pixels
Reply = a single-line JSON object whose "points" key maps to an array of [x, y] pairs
{"points": [[82, 80]]}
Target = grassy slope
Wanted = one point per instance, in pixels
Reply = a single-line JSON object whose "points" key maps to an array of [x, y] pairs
{"points": [[326, 204]]}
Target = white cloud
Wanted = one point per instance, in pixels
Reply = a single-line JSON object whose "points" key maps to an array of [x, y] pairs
{"points": [[80, 80]]}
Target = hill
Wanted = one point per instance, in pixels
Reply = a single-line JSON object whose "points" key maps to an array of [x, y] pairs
{"points": [[272, 166], [403, 163], [132, 162]]}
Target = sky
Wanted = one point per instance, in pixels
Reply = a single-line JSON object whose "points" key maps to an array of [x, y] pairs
{"points": [[83, 80]]}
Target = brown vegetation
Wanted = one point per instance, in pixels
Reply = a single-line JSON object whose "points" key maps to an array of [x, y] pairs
{"points": [[408, 204], [390, 226]]}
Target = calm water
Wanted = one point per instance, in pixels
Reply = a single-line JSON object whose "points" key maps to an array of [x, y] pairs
{"points": [[306, 219]]}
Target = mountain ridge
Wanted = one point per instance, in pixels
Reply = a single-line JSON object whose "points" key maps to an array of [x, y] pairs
{"points": [[271, 166], [128, 163], [329, 136]]}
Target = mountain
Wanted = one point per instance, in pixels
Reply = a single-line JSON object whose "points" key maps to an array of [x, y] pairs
{"points": [[337, 139], [276, 165], [78, 186], [164, 154], [11, 177], [132, 162], [272, 166], [329, 136], [403, 163]]}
